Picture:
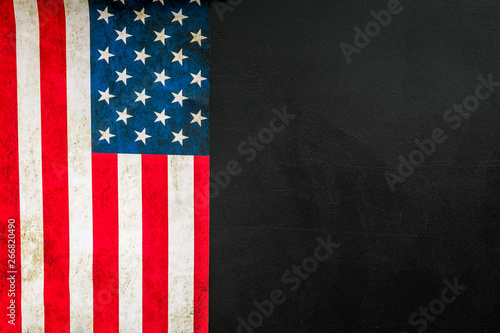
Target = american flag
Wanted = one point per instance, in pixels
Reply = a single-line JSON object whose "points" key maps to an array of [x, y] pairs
{"points": [[104, 165]]}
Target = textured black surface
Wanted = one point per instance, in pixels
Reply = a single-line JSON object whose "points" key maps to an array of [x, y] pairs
{"points": [[324, 174]]}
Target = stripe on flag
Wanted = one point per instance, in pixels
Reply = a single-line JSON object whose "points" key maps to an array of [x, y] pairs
{"points": [[180, 243], [30, 164], [79, 165], [130, 242], [54, 164], [9, 173], [201, 240], [155, 242], [105, 260]]}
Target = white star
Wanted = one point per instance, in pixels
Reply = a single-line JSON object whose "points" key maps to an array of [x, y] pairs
{"points": [[142, 97], [161, 77], [197, 78], [161, 117], [159, 0], [141, 16], [142, 56], [105, 55], [179, 17], [178, 56], [122, 1], [105, 96], [160, 36], [123, 76], [104, 15], [123, 116], [142, 136], [197, 118], [197, 37], [105, 135], [178, 98], [123, 35], [197, 1], [179, 137]]}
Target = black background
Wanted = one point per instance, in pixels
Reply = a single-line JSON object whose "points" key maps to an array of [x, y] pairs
{"points": [[324, 174]]}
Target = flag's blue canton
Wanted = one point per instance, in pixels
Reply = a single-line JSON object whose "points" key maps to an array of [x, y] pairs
{"points": [[140, 97]]}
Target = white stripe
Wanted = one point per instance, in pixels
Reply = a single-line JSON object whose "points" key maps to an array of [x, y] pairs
{"points": [[130, 242], [79, 165], [180, 243], [30, 164]]}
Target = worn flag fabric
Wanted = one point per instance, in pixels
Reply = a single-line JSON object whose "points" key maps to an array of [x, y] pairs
{"points": [[104, 197]]}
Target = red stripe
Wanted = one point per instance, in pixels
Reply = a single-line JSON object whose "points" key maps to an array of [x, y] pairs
{"points": [[201, 241], [105, 229], [155, 242], [9, 171], [54, 164]]}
